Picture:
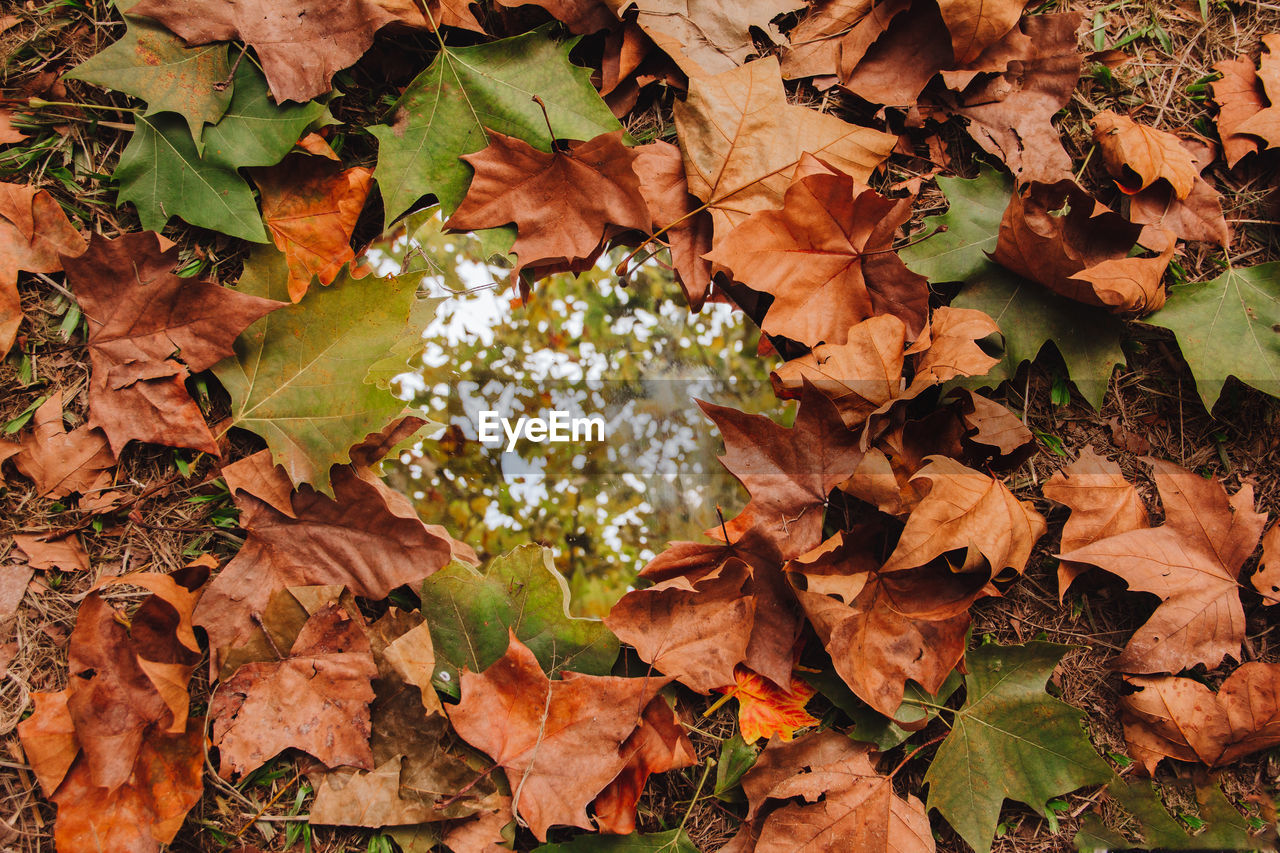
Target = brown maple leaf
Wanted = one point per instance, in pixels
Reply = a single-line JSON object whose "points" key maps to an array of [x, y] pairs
{"points": [[833, 36], [826, 258], [148, 331], [1197, 217], [9, 133], [976, 25], [580, 16], [300, 48], [1183, 719], [660, 167], [563, 203], [47, 551], [788, 471], [367, 538], [310, 205], [742, 141], [62, 463], [821, 792], [34, 235], [316, 698], [1102, 503], [657, 745], [884, 476], [992, 427], [1266, 580], [967, 510], [1147, 152], [883, 628], [879, 74], [1265, 124], [1010, 115], [1191, 562], [1058, 235], [560, 742], [707, 38], [1239, 97]]}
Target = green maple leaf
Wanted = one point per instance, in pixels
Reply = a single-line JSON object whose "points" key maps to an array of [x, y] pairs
{"points": [[1031, 317], [972, 223], [1011, 740], [163, 174], [444, 112], [1228, 327], [299, 376], [671, 841], [1224, 830], [153, 64], [469, 612]]}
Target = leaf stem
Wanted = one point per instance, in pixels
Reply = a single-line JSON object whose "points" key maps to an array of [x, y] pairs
{"points": [[912, 754]]}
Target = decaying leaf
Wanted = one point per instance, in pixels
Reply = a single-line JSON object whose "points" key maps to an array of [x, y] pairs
{"points": [[63, 463], [1181, 718], [658, 744], [1191, 562], [1149, 153], [148, 331], [46, 551], [1265, 123], [34, 236], [1266, 580], [663, 184], [706, 38], [1239, 96]]}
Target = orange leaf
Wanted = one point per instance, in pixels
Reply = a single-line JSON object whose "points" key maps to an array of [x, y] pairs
{"points": [[765, 709]]}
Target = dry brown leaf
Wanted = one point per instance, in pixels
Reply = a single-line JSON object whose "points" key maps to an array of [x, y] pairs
{"points": [[13, 588], [966, 509], [49, 739], [1149, 153], [1197, 217], [1183, 719], [560, 742], [1239, 97], [895, 68], [1265, 123], [46, 551], [580, 16], [1102, 503], [884, 476], [882, 629], [707, 37], [300, 48], [835, 35], [826, 258], [991, 425], [1266, 580], [484, 834], [742, 141], [563, 204], [310, 205], [34, 235], [952, 348], [657, 745], [315, 699], [1058, 235], [9, 133], [976, 25], [149, 330], [1191, 562], [694, 629], [660, 167]]}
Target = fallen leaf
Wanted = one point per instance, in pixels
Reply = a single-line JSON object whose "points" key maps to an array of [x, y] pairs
{"points": [[954, 246], [46, 551], [742, 140], [1219, 825], [672, 841], [13, 587], [150, 63], [883, 628], [300, 50], [833, 36], [471, 612], [991, 425], [582, 17], [315, 699], [975, 25], [826, 258], [34, 235], [707, 38], [657, 745], [560, 742], [434, 122], [311, 205], [1265, 123], [1181, 718], [1191, 562], [1102, 503], [563, 204], [63, 463], [966, 509], [1197, 217], [884, 476], [1266, 580], [10, 134], [1058, 235], [1239, 96], [49, 739], [766, 709], [149, 330], [1009, 721], [660, 167], [1149, 153], [695, 629], [880, 75]]}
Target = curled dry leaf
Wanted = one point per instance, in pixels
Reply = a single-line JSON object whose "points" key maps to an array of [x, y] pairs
{"points": [[660, 167], [742, 141], [976, 25], [63, 463], [1197, 217], [316, 699], [658, 744], [966, 509], [1265, 123], [834, 36], [580, 16], [826, 258], [765, 709], [1058, 235], [1102, 503], [149, 330], [1239, 97], [34, 235], [310, 205], [560, 742], [1180, 718], [1266, 580], [564, 204], [1191, 562], [707, 37], [1149, 153], [991, 426]]}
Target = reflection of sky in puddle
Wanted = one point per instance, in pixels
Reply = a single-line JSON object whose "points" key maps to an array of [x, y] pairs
{"points": [[657, 434]]}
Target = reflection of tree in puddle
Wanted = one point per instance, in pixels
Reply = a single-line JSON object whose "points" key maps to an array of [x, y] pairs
{"points": [[587, 346]]}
